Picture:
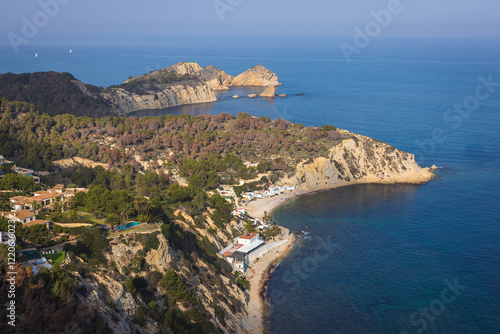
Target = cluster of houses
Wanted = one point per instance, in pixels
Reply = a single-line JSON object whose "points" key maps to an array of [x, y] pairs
{"points": [[23, 208], [271, 191]]}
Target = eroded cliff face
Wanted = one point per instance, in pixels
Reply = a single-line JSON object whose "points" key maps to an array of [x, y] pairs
{"points": [[168, 96], [360, 160], [180, 84], [257, 76], [215, 78]]}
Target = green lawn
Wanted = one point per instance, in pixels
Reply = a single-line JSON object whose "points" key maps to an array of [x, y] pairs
{"points": [[142, 228], [56, 257], [89, 216]]}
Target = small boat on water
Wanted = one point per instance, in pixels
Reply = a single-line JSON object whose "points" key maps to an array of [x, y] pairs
{"points": [[306, 233], [36, 55]]}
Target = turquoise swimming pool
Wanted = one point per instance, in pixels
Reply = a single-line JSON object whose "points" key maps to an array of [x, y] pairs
{"points": [[131, 224]]}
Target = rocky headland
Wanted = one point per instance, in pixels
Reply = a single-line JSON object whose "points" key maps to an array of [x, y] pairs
{"points": [[184, 83]]}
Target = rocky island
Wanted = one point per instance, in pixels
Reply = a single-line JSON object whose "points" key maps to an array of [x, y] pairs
{"points": [[156, 204]]}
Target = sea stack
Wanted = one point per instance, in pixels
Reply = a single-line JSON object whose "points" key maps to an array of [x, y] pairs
{"points": [[268, 92], [257, 76]]}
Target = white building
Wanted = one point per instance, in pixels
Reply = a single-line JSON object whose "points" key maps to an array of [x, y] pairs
{"points": [[290, 186], [249, 195], [22, 216], [249, 164], [239, 211], [238, 252]]}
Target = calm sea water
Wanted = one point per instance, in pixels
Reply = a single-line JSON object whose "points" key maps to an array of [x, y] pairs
{"points": [[376, 259]]}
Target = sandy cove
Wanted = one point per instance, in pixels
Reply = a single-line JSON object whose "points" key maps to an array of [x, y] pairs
{"points": [[257, 208], [258, 275]]}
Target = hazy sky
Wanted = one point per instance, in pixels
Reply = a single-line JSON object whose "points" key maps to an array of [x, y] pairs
{"points": [[245, 18]]}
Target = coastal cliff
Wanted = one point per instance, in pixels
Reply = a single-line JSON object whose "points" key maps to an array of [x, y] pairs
{"points": [[183, 83], [359, 159], [163, 97], [180, 84], [216, 79], [169, 87]]}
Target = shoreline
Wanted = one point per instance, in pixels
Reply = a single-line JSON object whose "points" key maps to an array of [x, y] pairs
{"points": [[264, 284], [257, 320], [258, 275], [258, 207]]}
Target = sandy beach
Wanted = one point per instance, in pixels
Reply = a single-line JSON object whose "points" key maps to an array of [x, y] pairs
{"points": [[256, 208], [258, 275]]}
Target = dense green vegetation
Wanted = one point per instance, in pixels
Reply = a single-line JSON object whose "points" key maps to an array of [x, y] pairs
{"points": [[14, 181], [145, 158], [188, 143], [54, 93]]}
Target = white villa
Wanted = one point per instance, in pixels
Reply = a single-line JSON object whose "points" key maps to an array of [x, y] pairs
{"points": [[25, 217], [239, 211], [44, 197], [249, 195], [238, 253]]}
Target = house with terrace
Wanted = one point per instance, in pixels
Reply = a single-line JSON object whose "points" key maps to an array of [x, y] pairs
{"points": [[26, 172], [239, 252], [25, 217], [22, 216], [45, 198]]}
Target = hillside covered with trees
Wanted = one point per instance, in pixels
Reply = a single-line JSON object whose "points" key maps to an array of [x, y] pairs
{"points": [[55, 93], [207, 150]]}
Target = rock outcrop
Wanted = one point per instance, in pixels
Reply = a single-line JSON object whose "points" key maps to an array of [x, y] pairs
{"points": [[216, 79], [256, 76], [161, 97], [268, 92], [180, 84], [184, 68], [162, 257], [360, 160]]}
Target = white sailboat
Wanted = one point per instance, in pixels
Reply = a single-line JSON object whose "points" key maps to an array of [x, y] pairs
{"points": [[36, 55], [70, 51]]}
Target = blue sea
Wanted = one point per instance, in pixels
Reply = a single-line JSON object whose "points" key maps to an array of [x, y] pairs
{"points": [[373, 258]]}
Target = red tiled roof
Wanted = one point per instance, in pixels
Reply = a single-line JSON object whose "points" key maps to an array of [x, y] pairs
{"points": [[232, 250], [22, 214], [249, 236]]}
